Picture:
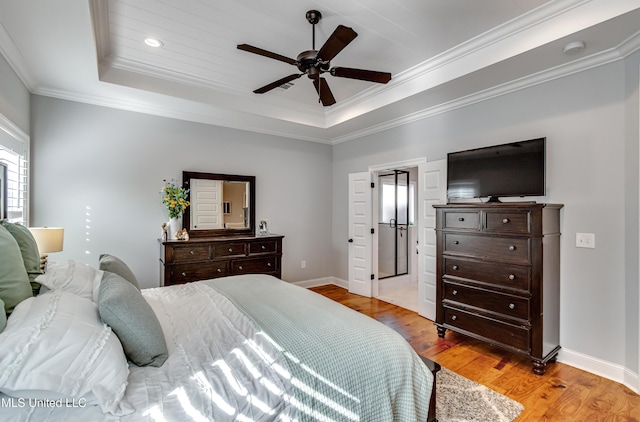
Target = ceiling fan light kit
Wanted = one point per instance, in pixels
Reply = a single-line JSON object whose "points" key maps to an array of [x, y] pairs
{"points": [[314, 63]]}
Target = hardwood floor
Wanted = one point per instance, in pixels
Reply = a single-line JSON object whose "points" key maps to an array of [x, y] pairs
{"points": [[564, 393]]}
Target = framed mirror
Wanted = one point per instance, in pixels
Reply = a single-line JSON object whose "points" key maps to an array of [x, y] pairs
{"points": [[221, 204]]}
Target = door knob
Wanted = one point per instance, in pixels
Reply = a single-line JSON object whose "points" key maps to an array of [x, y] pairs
{"points": [[350, 240]]}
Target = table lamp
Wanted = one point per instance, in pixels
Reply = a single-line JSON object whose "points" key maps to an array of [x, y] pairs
{"points": [[48, 239]]}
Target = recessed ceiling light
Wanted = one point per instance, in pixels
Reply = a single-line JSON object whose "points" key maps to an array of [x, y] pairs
{"points": [[153, 42]]}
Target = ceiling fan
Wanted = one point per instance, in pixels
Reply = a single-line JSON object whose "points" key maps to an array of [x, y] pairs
{"points": [[314, 63]]}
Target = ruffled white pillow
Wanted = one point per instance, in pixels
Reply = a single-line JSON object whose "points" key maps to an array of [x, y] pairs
{"points": [[55, 345], [72, 277]]}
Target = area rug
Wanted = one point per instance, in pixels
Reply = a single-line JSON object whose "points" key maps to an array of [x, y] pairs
{"points": [[459, 399]]}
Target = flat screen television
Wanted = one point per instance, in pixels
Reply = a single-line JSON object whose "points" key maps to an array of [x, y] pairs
{"points": [[516, 169]]}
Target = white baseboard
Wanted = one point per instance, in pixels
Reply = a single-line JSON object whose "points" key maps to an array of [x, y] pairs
{"points": [[614, 372], [322, 282]]}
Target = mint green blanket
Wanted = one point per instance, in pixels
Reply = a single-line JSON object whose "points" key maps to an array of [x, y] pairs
{"points": [[344, 365]]}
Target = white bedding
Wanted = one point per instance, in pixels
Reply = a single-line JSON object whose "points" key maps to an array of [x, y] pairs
{"points": [[222, 366]]}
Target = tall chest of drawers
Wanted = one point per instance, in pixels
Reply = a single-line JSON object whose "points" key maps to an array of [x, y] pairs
{"points": [[498, 276], [203, 258]]}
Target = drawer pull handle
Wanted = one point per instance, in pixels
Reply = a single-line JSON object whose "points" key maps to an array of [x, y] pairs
{"points": [[268, 264], [512, 248], [455, 242], [460, 218], [230, 250], [512, 306], [184, 274], [455, 292], [505, 220], [454, 317], [512, 276], [191, 252], [219, 270], [455, 267], [264, 247], [240, 267]]}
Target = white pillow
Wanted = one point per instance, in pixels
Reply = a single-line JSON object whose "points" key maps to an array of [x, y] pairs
{"points": [[56, 346], [72, 277]]}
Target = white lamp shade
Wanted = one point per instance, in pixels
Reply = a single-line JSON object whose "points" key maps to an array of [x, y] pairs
{"points": [[49, 239]]}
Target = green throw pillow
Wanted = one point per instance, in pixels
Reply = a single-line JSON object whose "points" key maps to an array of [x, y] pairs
{"points": [[14, 281], [28, 248], [123, 308], [116, 265], [3, 317]]}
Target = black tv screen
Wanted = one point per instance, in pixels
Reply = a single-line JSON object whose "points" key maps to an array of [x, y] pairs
{"points": [[514, 169]]}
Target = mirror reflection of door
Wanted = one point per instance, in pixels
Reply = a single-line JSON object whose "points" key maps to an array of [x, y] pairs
{"points": [[393, 235], [206, 210]]}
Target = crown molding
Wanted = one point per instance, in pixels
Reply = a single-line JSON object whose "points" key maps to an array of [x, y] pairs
{"points": [[239, 122], [474, 45], [547, 75], [99, 10], [15, 58]]}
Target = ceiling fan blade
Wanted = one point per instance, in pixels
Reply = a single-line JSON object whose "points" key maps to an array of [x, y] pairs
{"points": [[322, 87], [340, 38], [261, 52], [364, 75], [277, 83]]}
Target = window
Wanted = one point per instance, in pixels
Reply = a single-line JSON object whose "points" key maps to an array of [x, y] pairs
{"points": [[14, 149]]}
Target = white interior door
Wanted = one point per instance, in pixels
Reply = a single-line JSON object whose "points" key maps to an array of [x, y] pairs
{"points": [[432, 189], [360, 236], [208, 213]]}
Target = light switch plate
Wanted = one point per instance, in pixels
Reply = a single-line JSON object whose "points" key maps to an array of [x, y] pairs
{"points": [[585, 240]]}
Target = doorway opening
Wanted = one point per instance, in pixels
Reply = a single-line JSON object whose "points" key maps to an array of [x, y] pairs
{"points": [[396, 233]]}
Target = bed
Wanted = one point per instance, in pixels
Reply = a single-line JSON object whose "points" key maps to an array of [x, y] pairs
{"points": [[93, 346]]}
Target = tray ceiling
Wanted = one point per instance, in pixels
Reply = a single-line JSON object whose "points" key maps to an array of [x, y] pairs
{"points": [[439, 53]]}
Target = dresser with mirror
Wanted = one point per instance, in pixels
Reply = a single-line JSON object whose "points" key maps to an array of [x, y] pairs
{"points": [[222, 236]]}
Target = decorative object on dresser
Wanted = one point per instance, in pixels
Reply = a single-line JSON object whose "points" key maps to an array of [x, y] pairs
{"points": [[498, 272], [203, 258], [176, 199]]}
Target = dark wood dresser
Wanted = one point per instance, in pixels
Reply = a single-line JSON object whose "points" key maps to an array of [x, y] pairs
{"points": [[498, 276], [203, 258]]}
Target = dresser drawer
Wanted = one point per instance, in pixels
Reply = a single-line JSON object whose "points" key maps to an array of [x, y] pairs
{"points": [[462, 220], [190, 253], [501, 275], [263, 247], [508, 249], [186, 273], [229, 249], [264, 265], [489, 329], [509, 306], [507, 221]]}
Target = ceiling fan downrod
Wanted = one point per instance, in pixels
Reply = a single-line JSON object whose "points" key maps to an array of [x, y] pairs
{"points": [[313, 16]]}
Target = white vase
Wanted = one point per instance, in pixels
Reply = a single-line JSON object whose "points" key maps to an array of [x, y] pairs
{"points": [[173, 227]]}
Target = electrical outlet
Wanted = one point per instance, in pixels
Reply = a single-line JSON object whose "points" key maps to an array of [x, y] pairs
{"points": [[585, 240], [303, 264]]}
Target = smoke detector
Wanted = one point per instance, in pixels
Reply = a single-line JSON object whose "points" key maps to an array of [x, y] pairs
{"points": [[573, 47]]}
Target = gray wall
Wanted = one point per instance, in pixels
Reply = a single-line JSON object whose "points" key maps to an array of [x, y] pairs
{"points": [[107, 166], [592, 168], [632, 189], [14, 97]]}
